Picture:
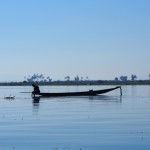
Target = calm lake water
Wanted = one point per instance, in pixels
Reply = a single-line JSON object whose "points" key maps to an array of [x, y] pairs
{"points": [[106, 122]]}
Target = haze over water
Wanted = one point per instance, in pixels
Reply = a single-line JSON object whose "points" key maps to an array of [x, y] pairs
{"points": [[107, 122]]}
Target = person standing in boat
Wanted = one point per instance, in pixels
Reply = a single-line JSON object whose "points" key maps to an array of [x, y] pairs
{"points": [[36, 89]]}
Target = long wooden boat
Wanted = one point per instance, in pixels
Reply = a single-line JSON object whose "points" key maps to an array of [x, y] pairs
{"points": [[84, 93]]}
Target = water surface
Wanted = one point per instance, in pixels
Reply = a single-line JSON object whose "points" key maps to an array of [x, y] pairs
{"points": [[104, 122]]}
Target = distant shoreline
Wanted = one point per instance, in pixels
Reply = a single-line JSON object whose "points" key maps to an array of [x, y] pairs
{"points": [[73, 83]]}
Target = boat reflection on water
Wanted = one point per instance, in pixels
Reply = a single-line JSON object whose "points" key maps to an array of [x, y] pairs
{"points": [[36, 100], [36, 105], [105, 98], [90, 99]]}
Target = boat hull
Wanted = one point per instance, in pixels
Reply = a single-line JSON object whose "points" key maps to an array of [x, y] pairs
{"points": [[84, 93]]}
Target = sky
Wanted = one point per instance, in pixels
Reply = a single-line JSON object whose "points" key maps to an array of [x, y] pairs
{"points": [[98, 39]]}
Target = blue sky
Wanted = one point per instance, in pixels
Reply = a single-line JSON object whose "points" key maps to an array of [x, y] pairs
{"points": [[101, 39]]}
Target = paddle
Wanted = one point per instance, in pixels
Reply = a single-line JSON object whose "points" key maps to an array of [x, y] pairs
{"points": [[25, 92]]}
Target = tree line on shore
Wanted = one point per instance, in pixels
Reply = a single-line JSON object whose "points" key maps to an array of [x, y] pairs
{"points": [[42, 80]]}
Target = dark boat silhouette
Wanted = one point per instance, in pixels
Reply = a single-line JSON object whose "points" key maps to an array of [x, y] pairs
{"points": [[84, 93]]}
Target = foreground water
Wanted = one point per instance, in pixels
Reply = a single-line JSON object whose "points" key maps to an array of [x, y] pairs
{"points": [[106, 122]]}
